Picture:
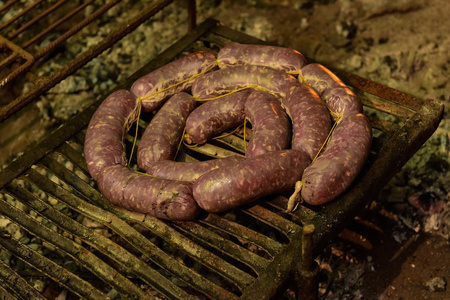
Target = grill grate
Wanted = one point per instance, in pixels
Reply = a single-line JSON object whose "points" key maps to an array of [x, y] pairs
{"points": [[247, 253], [22, 40]]}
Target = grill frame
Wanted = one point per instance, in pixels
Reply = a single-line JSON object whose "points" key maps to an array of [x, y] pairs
{"points": [[418, 119]]}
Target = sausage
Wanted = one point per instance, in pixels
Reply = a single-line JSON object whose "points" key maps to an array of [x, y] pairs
{"points": [[310, 117], [215, 116], [342, 160], [270, 124], [161, 198], [103, 145], [249, 180], [106, 159], [342, 100], [319, 78], [189, 171], [154, 88], [229, 80], [164, 132], [283, 59], [339, 98]]}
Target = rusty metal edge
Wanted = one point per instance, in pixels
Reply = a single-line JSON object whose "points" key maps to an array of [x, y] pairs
{"points": [[79, 121], [394, 154]]}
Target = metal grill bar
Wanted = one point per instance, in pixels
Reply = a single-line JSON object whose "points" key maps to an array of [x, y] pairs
{"points": [[70, 68], [56, 24], [79, 253], [18, 31], [17, 284], [5, 294], [156, 226], [20, 14], [7, 5], [129, 234], [50, 268], [227, 247], [271, 246], [94, 239]]}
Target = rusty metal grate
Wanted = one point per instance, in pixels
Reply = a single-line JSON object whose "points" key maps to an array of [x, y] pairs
{"points": [[247, 253], [21, 34]]}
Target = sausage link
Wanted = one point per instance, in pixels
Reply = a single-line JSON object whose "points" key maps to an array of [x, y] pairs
{"points": [[103, 145], [344, 156], [154, 88], [228, 80], [339, 98], [310, 117], [249, 180], [189, 171], [162, 135], [215, 116], [270, 124], [283, 59], [165, 199]]}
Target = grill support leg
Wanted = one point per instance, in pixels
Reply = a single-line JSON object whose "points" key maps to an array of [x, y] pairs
{"points": [[192, 14], [305, 273]]}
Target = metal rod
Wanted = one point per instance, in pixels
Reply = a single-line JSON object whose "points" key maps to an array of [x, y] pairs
{"points": [[192, 15], [24, 11], [307, 255], [50, 268], [76, 28], [79, 253], [81, 60], [8, 60], [56, 24], [306, 271], [17, 283], [7, 5], [18, 31]]}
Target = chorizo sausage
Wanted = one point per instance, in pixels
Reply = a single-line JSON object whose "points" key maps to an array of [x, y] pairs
{"points": [[165, 130], [189, 171], [339, 98], [104, 145], [161, 198], [341, 161], [215, 116], [229, 80], [310, 117], [270, 124], [253, 178], [154, 88], [283, 59], [106, 159]]}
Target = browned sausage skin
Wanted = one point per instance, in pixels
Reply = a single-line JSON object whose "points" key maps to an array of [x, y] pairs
{"points": [[341, 161], [251, 179], [216, 116], [165, 130], [339, 98], [154, 88], [270, 124], [283, 59]]}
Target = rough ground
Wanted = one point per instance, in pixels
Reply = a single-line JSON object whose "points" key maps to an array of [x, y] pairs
{"points": [[404, 45]]}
